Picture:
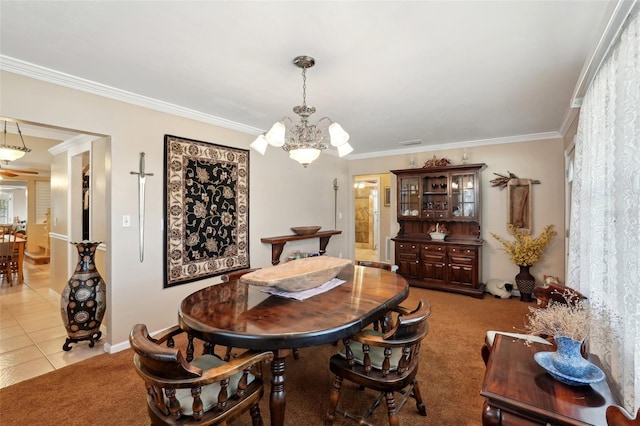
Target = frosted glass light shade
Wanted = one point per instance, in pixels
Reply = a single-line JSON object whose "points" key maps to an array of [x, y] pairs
{"points": [[337, 134], [304, 156], [9, 154], [344, 149], [260, 144], [275, 136]]}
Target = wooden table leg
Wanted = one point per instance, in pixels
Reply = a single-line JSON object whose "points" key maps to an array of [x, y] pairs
{"points": [[20, 263], [277, 401], [491, 416]]}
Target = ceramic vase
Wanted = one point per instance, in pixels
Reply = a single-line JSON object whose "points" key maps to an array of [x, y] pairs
{"points": [[83, 300], [567, 359], [525, 282]]}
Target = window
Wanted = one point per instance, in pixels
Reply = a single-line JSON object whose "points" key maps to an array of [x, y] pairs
{"points": [[43, 201], [4, 209]]}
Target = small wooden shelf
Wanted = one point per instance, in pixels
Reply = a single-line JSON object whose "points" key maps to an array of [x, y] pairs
{"points": [[277, 243]]}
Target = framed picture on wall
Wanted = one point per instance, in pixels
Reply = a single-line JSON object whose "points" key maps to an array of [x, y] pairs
{"points": [[387, 196]]}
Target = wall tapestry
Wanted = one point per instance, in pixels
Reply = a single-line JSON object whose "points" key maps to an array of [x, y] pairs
{"points": [[207, 210]]}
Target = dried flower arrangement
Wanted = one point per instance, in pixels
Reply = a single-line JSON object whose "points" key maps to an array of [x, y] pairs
{"points": [[579, 319], [435, 162], [526, 250], [572, 319], [503, 180]]}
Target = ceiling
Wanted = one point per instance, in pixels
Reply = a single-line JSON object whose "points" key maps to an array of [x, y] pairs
{"points": [[447, 73]]}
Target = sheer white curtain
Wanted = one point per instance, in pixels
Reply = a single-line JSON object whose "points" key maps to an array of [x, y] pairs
{"points": [[604, 251]]}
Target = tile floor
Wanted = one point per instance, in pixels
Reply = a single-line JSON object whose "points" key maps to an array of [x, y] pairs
{"points": [[31, 329], [366, 254]]}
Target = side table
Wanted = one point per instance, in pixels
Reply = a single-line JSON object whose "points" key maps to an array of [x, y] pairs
{"points": [[519, 391]]}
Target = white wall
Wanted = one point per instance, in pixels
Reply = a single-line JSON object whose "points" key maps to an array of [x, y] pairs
{"points": [[282, 193]]}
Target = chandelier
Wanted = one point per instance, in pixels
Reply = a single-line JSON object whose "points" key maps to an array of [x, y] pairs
{"points": [[10, 153], [304, 141]]}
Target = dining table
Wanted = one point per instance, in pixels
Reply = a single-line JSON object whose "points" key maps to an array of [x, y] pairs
{"points": [[240, 315]]}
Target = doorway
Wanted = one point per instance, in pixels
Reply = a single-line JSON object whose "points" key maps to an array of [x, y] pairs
{"points": [[366, 192], [71, 220]]}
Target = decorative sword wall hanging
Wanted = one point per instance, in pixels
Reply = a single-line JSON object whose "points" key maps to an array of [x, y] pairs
{"points": [[142, 177]]}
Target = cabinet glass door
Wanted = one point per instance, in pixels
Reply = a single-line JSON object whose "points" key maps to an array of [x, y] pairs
{"points": [[435, 200], [409, 196], [464, 196]]}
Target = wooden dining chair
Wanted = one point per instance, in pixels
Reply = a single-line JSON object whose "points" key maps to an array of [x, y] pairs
{"points": [[386, 361], [618, 416], [8, 255], [234, 275], [376, 264], [15, 260], [556, 293], [204, 391], [378, 324]]}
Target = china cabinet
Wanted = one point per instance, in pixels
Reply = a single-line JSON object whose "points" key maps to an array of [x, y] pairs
{"points": [[442, 199]]}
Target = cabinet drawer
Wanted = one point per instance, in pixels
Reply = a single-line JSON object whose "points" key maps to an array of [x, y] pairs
{"points": [[461, 260], [431, 214], [462, 251], [407, 247], [433, 248], [433, 258]]}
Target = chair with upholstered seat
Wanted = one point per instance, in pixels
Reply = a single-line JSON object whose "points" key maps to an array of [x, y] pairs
{"points": [[385, 361], [204, 391], [555, 293]]}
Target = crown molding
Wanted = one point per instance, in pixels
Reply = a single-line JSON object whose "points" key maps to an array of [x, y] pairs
{"points": [[616, 17], [462, 144], [37, 72], [78, 143]]}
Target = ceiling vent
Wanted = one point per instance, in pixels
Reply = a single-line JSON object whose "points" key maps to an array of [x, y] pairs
{"points": [[412, 142]]}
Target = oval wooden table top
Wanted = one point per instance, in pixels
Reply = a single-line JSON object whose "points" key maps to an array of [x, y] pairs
{"points": [[243, 316]]}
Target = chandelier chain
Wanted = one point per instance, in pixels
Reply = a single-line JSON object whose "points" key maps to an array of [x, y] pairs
{"points": [[304, 87]]}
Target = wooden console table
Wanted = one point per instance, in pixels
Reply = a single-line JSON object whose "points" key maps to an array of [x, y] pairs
{"points": [[277, 243], [519, 391]]}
